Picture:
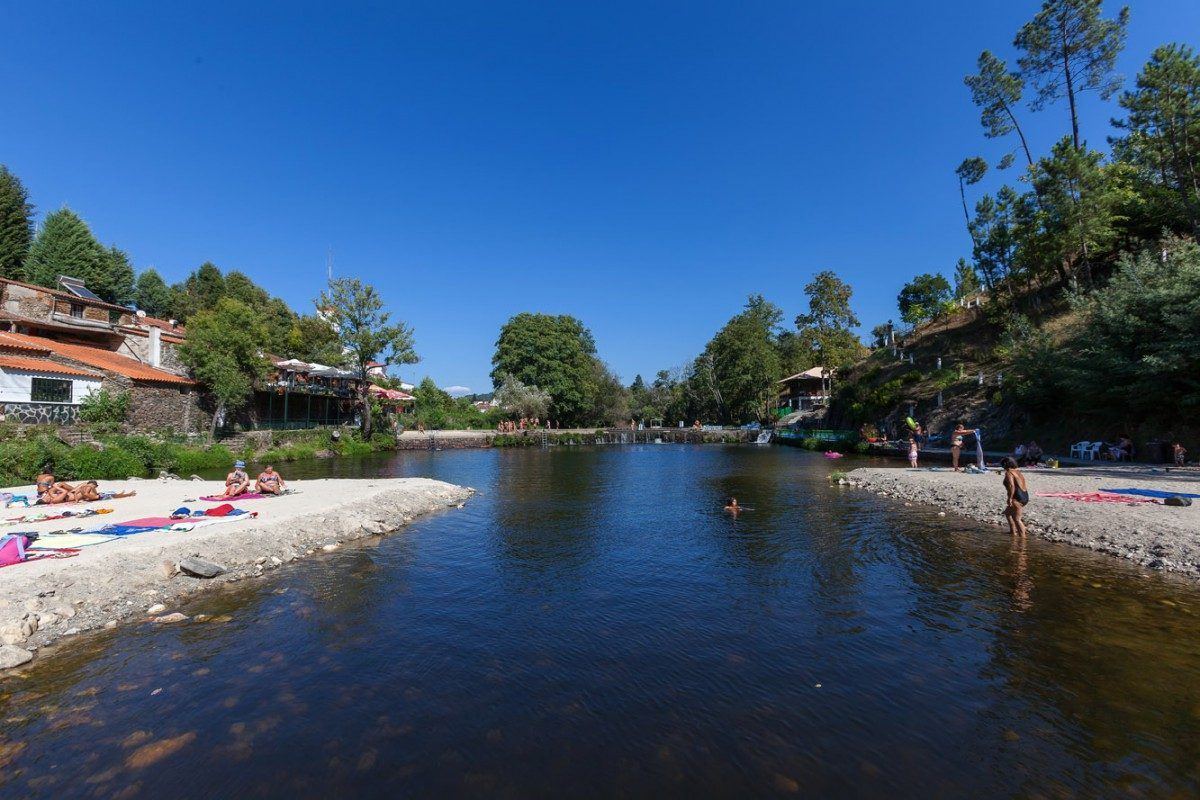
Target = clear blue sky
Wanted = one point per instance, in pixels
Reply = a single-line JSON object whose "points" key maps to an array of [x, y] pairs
{"points": [[641, 165]]}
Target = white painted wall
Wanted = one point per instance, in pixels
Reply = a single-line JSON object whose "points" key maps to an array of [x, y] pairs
{"points": [[15, 385]]}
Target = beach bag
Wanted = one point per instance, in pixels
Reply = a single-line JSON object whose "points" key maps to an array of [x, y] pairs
{"points": [[1177, 501], [12, 549]]}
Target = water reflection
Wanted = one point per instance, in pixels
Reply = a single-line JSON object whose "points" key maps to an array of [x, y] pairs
{"points": [[594, 624]]}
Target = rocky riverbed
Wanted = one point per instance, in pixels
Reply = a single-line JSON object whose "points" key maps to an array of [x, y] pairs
{"points": [[139, 578], [1154, 535]]}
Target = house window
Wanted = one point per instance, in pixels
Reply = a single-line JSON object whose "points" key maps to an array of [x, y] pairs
{"points": [[77, 310], [50, 390]]}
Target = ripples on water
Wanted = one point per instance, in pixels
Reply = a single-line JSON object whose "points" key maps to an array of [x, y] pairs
{"points": [[594, 625]]}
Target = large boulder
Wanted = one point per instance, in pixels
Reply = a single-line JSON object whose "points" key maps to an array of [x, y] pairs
{"points": [[199, 568], [13, 656]]}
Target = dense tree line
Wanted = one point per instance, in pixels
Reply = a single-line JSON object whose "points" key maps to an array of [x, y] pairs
{"points": [[549, 364], [65, 245]]}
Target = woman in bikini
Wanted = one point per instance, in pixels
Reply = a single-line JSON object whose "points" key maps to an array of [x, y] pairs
{"points": [[269, 482], [43, 484], [1017, 493], [89, 492]]}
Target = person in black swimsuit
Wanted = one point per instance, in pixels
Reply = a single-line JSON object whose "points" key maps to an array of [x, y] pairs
{"points": [[1017, 492]]}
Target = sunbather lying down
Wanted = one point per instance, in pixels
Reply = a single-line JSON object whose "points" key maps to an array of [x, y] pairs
{"points": [[86, 492]]}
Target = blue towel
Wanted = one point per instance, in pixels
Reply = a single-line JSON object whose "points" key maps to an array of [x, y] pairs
{"points": [[124, 530], [1150, 493]]}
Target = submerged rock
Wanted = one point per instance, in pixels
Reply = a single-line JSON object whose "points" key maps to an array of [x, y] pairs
{"points": [[168, 618]]}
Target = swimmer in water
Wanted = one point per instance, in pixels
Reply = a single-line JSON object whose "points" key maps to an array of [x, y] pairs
{"points": [[733, 507]]}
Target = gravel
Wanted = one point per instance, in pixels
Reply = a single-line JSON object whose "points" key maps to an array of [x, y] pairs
{"points": [[1156, 536]]}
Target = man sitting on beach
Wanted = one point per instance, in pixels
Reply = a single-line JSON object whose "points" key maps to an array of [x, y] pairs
{"points": [[270, 482], [236, 482]]}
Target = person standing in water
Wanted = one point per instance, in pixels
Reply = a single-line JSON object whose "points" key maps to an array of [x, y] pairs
{"points": [[1017, 495], [912, 452]]}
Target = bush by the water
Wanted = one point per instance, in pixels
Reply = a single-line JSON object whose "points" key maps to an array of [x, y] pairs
{"points": [[115, 457]]}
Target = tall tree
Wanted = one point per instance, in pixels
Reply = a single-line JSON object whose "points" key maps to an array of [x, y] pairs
{"points": [[202, 289], [966, 279], [554, 353], [997, 91], [742, 362], [1163, 126], [969, 172], [366, 335], [828, 325], [64, 246], [224, 352], [114, 280], [16, 225], [1080, 205], [313, 339], [151, 293], [1070, 48], [922, 298]]}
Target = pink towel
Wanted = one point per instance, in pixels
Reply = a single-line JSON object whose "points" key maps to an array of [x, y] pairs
{"points": [[150, 522], [247, 496], [1097, 497]]}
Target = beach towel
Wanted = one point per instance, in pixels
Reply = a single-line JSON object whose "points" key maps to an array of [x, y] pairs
{"points": [[247, 496], [1102, 496], [70, 541], [205, 522], [149, 522], [1159, 493]]}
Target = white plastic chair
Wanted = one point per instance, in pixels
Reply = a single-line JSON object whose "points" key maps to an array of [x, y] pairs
{"points": [[1093, 451], [1078, 448]]}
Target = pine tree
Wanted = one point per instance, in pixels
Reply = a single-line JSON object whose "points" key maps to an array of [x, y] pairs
{"points": [[64, 246], [114, 282], [151, 294], [16, 225], [1069, 48]]}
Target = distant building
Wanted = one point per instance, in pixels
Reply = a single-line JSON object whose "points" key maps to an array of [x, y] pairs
{"points": [[376, 370], [804, 390]]}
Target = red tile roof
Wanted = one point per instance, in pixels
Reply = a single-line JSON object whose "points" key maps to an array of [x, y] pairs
{"points": [[44, 365], [19, 343], [93, 357]]}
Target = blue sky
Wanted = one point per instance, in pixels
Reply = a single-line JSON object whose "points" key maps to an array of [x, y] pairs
{"points": [[643, 166]]}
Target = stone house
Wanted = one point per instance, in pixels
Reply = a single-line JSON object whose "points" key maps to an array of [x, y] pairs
{"points": [[59, 345]]}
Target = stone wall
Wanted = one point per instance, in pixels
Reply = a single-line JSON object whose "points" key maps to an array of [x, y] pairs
{"points": [[40, 413], [154, 407], [137, 346]]}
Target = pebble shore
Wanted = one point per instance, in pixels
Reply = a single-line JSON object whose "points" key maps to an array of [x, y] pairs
{"points": [[138, 578], [1156, 536]]}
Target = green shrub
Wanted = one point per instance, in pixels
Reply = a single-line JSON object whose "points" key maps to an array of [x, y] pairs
{"points": [[104, 410]]}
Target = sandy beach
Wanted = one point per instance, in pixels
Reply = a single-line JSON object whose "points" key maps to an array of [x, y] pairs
{"points": [[1154, 535], [138, 576]]}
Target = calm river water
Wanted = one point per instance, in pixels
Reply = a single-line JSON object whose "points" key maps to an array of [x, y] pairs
{"points": [[594, 625]]}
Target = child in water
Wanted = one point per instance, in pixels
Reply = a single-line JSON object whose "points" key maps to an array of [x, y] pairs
{"points": [[912, 452]]}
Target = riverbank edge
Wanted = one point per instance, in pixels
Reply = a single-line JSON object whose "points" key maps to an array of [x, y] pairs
{"points": [[1077, 524], [122, 587]]}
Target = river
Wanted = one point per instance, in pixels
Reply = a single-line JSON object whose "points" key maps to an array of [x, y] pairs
{"points": [[593, 624]]}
